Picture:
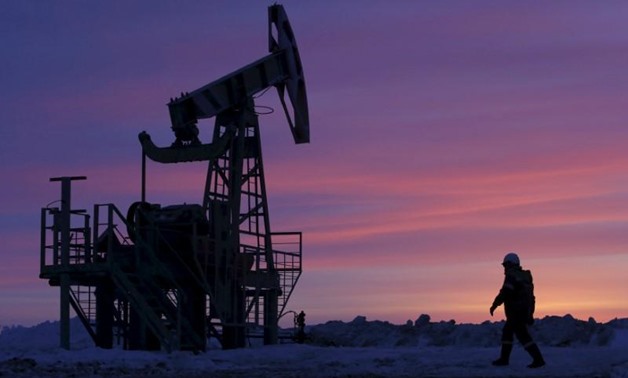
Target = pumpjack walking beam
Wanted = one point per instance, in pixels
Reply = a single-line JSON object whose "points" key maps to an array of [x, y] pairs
{"points": [[281, 69]]}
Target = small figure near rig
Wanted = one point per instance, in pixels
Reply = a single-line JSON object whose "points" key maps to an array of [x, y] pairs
{"points": [[299, 320]]}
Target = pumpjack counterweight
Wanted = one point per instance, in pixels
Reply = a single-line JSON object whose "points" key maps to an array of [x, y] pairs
{"points": [[169, 277]]}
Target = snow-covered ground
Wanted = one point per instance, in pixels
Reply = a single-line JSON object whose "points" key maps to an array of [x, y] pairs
{"points": [[360, 348]]}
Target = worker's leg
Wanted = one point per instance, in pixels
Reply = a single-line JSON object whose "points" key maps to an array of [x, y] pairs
{"points": [[507, 339], [521, 330]]}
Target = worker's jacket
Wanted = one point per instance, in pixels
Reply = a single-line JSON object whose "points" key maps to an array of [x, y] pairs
{"points": [[517, 295]]}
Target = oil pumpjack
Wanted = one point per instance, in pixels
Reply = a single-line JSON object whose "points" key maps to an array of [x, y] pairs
{"points": [[169, 277]]}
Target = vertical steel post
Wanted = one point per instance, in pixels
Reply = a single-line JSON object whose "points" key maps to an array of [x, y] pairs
{"points": [[143, 194], [42, 262], [64, 230], [95, 232], [65, 262], [271, 317], [87, 242]]}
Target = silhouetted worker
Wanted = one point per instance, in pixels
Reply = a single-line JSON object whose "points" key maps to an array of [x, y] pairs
{"points": [[517, 295], [300, 320]]}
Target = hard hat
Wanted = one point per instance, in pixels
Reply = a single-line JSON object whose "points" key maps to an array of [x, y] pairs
{"points": [[511, 258]]}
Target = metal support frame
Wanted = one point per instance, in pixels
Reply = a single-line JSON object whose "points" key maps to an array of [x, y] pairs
{"points": [[235, 181]]}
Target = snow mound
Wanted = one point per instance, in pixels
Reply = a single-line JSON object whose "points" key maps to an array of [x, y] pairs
{"points": [[43, 336], [552, 331], [359, 348]]}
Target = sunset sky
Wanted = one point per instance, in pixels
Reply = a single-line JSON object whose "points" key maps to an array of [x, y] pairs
{"points": [[443, 135]]}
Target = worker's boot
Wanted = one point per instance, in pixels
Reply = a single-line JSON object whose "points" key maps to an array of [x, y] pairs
{"points": [[504, 358], [535, 352]]}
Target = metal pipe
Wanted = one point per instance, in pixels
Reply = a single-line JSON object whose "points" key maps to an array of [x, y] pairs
{"points": [[65, 263], [42, 262], [143, 176], [95, 228]]}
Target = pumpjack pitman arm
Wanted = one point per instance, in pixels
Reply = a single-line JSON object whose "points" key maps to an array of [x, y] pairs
{"points": [[281, 69]]}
